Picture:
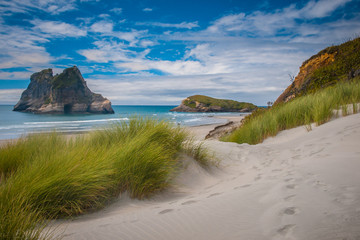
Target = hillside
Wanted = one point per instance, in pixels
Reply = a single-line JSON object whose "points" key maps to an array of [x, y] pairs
{"points": [[201, 103], [329, 66]]}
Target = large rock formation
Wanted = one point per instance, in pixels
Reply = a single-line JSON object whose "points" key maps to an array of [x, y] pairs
{"points": [[329, 66], [63, 93], [200, 103]]}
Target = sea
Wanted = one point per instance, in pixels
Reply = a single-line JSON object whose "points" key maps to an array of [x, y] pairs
{"points": [[17, 124]]}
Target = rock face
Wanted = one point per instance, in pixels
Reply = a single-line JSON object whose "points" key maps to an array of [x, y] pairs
{"points": [[301, 80], [200, 103], [63, 93], [329, 66]]}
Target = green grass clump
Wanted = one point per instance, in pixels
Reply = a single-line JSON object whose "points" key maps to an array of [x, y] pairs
{"points": [[317, 107], [212, 102], [48, 176]]}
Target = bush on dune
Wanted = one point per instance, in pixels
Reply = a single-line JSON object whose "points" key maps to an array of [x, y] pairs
{"points": [[47, 176]]}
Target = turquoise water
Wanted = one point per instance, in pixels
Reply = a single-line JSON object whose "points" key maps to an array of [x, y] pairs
{"points": [[14, 124]]}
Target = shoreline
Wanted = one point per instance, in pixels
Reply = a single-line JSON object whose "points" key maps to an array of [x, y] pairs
{"points": [[199, 131]]}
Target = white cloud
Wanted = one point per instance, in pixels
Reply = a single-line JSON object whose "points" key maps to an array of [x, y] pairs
{"points": [[116, 10], [106, 52], [322, 8], [185, 25], [171, 89], [176, 68], [102, 27], [104, 15], [146, 43], [15, 75], [10, 96], [58, 28], [147, 9], [131, 36], [281, 21], [50, 6], [132, 66], [22, 48]]}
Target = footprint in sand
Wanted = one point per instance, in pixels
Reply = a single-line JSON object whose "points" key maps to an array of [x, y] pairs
{"points": [[290, 211], [213, 195], [289, 179], [313, 153], [290, 197], [188, 202], [291, 186], [211, 186], [243, 186], [258, 177], [285, 229], [166, 211], [321, 185]]}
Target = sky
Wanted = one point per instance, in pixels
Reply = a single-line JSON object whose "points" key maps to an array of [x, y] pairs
{"points": [[158, 52]]}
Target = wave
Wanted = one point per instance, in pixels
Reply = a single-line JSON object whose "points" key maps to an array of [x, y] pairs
{"points": [[78, 121], [193, 120], [58, 124]]}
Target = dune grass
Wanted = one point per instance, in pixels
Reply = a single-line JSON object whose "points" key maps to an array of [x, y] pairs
{"points": [[45, 177], [313, 108]]}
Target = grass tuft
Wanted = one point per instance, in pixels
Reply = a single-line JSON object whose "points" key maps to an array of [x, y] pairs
{"points": [[200, 153]]}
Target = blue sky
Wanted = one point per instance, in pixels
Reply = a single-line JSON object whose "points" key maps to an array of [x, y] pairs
{"points": [[160, 51]]}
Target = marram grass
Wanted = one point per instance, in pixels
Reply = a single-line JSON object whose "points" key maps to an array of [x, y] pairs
{"points": [[313, 108], [48, 176]]}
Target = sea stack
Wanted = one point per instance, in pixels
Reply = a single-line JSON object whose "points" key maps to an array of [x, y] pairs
{"points": [[63, 93]]}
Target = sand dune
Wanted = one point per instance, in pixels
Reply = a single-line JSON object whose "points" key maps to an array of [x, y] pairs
{"points": [[298, 185]]}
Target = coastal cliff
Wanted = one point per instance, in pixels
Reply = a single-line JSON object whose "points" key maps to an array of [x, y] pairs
{"points": [[200, 103], [329, 66], [63, 93]]}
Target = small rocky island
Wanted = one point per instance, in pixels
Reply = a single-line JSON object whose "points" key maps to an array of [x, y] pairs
{"points": [[200, 103], [63, 93]]}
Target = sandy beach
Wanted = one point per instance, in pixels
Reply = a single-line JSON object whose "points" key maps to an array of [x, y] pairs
{"points": [[297, 185]]}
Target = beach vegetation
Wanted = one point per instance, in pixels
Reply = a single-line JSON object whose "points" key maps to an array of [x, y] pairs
{"points": [[200, 153], [45, 177], [315, 108]]}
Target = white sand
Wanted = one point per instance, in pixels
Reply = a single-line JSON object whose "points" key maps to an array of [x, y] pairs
{"points": [[298, 185]]}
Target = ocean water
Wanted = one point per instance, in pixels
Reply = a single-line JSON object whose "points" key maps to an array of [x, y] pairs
{"points": [[15, 124]]}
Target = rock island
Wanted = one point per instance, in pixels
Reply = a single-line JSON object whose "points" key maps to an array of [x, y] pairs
{"points": [[63, 93]]}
